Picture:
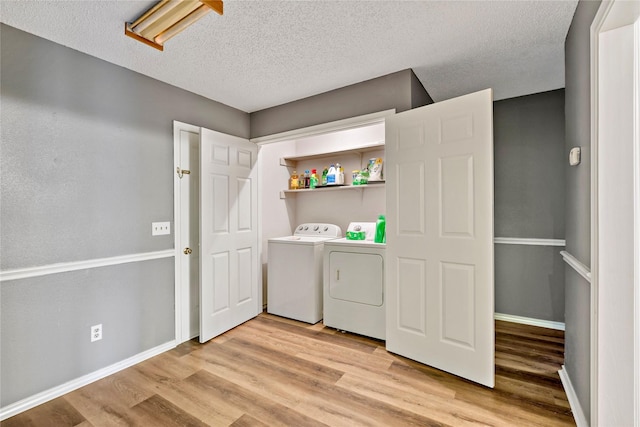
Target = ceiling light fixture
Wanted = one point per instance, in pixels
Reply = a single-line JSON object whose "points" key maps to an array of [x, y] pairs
{"points": [[168, 18]]}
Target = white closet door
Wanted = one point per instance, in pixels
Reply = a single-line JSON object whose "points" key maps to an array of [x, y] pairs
{"points": [[440, 280], [228, 233]]}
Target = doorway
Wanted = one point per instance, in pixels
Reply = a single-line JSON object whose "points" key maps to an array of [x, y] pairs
{"points": [[615, 217], [186, 230], [215, 232]]}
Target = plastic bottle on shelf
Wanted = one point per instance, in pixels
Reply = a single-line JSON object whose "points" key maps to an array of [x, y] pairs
{"points": [[294, 184], [381, 235], [331, 175], [339, 174], [324, 175], [355, 177], [307, 178], [313, 180]]}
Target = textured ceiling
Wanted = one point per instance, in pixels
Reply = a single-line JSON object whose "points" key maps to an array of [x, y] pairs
{"points": [[264, 53]]}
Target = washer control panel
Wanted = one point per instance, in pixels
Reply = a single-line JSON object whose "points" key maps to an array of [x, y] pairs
{"points": [[318, 229]]}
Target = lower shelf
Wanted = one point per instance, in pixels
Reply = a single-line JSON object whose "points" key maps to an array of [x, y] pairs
{"points": [[288, 193]]}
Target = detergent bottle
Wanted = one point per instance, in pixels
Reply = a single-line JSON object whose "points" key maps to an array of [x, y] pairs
{"points": [[380, 236], [324, 175], [331, 175]]}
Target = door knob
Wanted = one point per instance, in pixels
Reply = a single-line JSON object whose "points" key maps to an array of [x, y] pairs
{"points": [[187, 251]]}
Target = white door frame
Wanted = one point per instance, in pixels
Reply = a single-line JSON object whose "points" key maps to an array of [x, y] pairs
{"points": [[611, 15], [182, 309]]}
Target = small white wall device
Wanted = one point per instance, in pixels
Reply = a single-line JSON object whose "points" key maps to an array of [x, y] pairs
{"points": [[574, 156]]}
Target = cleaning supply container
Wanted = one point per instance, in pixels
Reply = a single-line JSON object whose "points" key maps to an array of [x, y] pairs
{"points": [[380, 236]]}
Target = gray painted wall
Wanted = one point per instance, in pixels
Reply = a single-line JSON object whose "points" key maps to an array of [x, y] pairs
{"points": [[46, 322], [397, 90], [578, 189], [85, 168], [529, 203], [419, 95], [529, 166], [529, 281]]}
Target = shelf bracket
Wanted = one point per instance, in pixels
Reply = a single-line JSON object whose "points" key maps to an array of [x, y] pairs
{"points": [[287, 163]]}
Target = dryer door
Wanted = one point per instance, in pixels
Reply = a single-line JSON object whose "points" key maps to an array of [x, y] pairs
{"points": [[356, 277]]}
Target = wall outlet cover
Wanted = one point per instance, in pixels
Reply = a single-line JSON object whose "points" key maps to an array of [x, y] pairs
{"points": [[96, 332]]}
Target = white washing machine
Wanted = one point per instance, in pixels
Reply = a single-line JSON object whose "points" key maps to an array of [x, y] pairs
{"points": [[294, 272], [354, 277]]}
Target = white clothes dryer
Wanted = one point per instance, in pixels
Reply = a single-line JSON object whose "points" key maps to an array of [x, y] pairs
{"points": [[354, 278], [294, 272]]}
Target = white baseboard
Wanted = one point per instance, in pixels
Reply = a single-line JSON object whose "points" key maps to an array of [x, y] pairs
{"points": [[578, 414], [530, 321], [52, 393]]}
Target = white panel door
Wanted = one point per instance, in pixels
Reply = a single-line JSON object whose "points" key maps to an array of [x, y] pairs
{"points": [[228, 233], [440, 282]]}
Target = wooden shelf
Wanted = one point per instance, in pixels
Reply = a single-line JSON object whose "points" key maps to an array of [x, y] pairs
{"points": [[287, 193], [291, 161]]}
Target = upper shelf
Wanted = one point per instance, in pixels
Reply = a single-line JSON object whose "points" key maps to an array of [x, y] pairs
{"points": [[291, 160]]}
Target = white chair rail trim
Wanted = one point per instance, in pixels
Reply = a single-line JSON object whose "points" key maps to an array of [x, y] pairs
{"points": [[531, 242], [63, 267], [582, 269]]}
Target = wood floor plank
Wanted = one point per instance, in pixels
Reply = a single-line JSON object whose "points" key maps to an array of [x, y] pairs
{"points": [[496, 399], [335, 356], [157, 411], [308, 383], [288, 363], [365, 345], [261, 377], [273, 371], [265, 410], [165, 368], [109, 400], [213, 410], [511, 328], [248, 421], [442, 409], [57, 412]]}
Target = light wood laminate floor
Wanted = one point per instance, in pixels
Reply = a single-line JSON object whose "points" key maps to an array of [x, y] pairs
{"points": [[272, 371]]}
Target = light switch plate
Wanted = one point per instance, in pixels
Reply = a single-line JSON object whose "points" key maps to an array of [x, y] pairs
{"points": [[160, 228]]}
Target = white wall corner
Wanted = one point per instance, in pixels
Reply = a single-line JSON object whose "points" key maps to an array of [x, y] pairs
{"points": [[578, 413]]}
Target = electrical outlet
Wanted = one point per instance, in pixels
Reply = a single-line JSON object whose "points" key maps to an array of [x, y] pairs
{"points": [[96, 332], [160, 228]]}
